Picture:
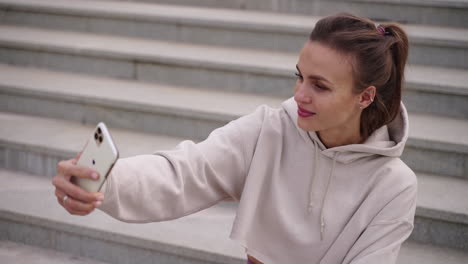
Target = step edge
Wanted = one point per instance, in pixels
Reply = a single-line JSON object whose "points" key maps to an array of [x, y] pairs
{"points": [[127, 105], [220, 23], [115, 237]]}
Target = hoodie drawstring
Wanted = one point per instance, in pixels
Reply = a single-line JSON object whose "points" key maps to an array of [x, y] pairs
{"points": [[322, 220], [311, 204]]}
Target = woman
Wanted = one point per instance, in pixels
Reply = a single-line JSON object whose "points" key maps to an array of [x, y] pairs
{"points": [[318, 180]]}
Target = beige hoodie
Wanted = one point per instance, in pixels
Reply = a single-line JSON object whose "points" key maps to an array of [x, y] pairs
{"points": [[298, 201]]}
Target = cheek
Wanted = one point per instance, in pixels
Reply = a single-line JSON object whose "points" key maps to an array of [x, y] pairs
{"points": [[338, 110], [332, 108], [324, 102], [336, 105]]}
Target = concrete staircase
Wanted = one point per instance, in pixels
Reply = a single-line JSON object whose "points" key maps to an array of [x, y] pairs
{"points": [[158, 73], [14, 253]]}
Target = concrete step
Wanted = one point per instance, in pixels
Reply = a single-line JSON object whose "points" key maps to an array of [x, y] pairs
{"points": [[30, 214], [412, 253], [164, 22], [35, 145], [430, 89], [17, 253], [436, 46], [145, 107], [155, 61], [436, 90], [442, 211], [452, 13], [436, 145]]}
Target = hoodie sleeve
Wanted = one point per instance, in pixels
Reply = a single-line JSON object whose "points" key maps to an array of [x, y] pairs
{"points": [[381, 240], [178, 182]]}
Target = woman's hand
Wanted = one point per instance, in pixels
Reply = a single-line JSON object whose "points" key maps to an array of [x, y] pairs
{"points": [[73, 198]]}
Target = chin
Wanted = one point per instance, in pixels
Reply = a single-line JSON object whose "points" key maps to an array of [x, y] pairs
{"points": [[305, 127]]}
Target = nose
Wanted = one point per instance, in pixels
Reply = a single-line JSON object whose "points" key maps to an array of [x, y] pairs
{"points": [[301, 94]]}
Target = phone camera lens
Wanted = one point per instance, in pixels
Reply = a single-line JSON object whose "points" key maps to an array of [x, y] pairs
{"points": [[99, 130], [94, 162], [96, 136], [100, 139]]}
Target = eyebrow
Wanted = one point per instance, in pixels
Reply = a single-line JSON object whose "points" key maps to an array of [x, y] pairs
{"points": [[316, 77]]}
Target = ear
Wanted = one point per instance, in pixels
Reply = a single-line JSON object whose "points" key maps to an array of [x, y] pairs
{"points": [[367, 97]]}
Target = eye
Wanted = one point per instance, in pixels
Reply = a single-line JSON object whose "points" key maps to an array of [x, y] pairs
{"points": [[320, 87], [299, 76]]}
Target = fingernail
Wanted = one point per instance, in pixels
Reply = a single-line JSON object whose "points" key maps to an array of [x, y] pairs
{"points": [[94, 175], [97, 204], [100, 197]]}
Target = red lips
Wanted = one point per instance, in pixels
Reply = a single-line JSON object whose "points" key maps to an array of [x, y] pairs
{"points": [[304, 113]]}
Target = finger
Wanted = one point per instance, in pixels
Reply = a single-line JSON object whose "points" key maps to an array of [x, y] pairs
{"points": [[66, 187], [59, 194], [68, 169], [81, 213], [65, 205], [78, 206]]}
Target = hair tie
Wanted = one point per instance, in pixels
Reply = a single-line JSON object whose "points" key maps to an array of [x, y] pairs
{"points": [[382, 30]]}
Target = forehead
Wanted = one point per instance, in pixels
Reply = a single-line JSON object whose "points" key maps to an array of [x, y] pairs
{"points": [[318, 59]]}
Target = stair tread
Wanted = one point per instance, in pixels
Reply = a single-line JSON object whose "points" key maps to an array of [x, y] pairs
{"points": [[457, 37], [218, 17], [447, 133], [442, 194], [70, 137], [412, 252], [173, 13], [131, 94], [437, 79], [17, 253]]}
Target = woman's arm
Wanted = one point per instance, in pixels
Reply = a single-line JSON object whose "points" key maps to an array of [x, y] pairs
{"points": [[191, 177]]}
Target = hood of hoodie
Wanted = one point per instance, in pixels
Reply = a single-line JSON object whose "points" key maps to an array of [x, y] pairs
{"points": [[388, 140]]}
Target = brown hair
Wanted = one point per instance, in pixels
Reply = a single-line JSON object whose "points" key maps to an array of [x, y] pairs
{"points": [[378, 59]]}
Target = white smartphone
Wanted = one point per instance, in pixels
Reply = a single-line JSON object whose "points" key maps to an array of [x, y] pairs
{"points": [[99, 154]]}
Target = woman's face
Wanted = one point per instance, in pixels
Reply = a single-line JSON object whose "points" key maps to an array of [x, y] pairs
{"points": [[323, 91]]}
